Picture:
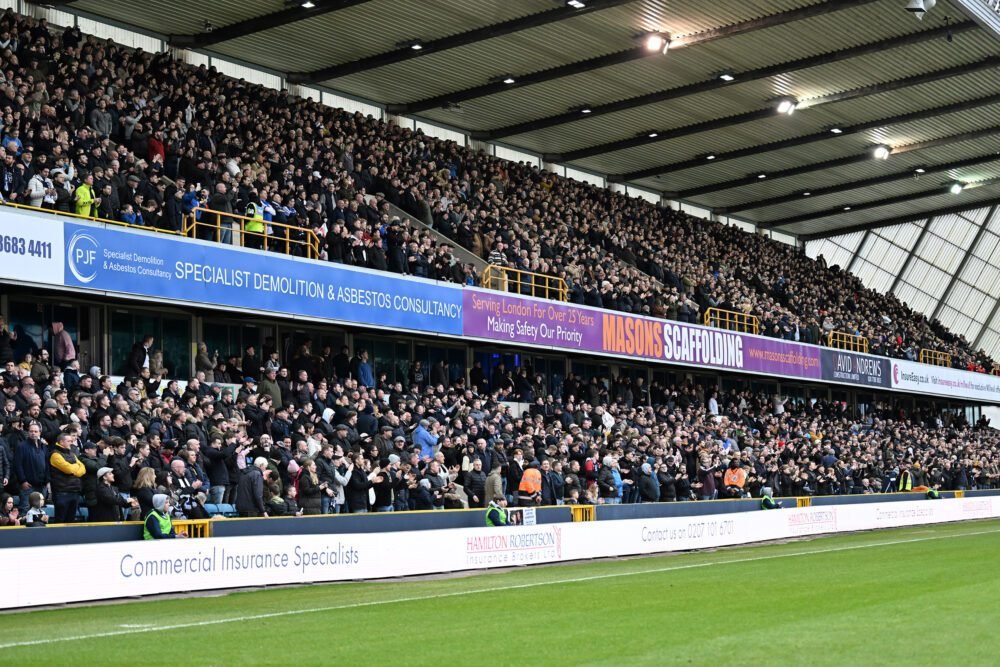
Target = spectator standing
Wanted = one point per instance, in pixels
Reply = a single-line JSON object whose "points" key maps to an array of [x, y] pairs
{"points": [[250, 490], [66, 471]]}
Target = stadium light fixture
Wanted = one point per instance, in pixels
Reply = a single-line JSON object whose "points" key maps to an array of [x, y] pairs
{"points": [[920, 7], [416, 46], [787, 105], [761, 176], [509, 80], [836, 130], [956, 188], [806, 194], [919, 170], [657, 42], [727, 76], [308, 5], [653, 135], [576, 4], [710, 156], [847, 208], [585, 110], [882, 152]]}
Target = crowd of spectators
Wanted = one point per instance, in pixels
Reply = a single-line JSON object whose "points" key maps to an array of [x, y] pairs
{"points": [[94, 128], [321, 433]]}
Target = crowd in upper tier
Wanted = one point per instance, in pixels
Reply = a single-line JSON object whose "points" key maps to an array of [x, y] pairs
{"points": [[98, 129]]}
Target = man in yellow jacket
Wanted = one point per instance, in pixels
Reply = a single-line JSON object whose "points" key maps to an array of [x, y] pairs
{"points": [[84, 199], [65, 471]]}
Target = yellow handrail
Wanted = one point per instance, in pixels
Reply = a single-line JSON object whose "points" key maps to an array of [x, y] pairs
{"points": [[935, 358], [529, 283], [89, 217], [270, 239], [193, 527], [733, 320], [847, 341]]}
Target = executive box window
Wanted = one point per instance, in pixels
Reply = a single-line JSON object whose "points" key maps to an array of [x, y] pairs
{"points": [[172, 339]]}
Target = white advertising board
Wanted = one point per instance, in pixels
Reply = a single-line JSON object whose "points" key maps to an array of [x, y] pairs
{"points": [[32, 248], [943, 381], [121, 569]]}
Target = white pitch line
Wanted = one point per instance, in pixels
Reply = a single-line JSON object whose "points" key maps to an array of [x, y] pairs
{"points": [[494, 589]]}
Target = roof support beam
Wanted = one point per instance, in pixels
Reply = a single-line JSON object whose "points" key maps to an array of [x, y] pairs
{"points": [[619, 57], [857, 253], [832, 164], [453, 41], [961, 266], [909, 258], [290, 14], [878, 203], [807, 139], [716, 84], [769, 111], [856, 185], [909, 217], [986, 324]]}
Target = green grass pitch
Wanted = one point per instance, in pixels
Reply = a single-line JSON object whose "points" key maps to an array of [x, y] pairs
{"points": [[926, 595]]}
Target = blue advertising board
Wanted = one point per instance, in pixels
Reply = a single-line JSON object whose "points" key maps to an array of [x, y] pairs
{"points": [[208, 273], [863, 370]]}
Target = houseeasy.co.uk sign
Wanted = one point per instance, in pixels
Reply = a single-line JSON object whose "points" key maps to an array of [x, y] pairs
{"points": [[126, 569]]}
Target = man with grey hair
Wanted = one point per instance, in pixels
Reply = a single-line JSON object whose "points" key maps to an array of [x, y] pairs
{"points": [[250, 490]]}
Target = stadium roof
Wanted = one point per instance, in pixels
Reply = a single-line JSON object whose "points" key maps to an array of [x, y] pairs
{"points": [[575, 82]]}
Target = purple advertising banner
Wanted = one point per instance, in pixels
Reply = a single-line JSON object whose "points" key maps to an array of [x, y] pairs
{"points": [[509, 318]]}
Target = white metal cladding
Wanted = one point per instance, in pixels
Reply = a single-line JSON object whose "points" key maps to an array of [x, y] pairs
{"points": [[179, 17], [964, 302]]}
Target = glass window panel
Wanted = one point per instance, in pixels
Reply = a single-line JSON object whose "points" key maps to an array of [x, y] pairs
{"points": [[990, 342], [816, 248], [941, 253], [432, 130], [748, 227], [787, 239], [905, 292], [955, 228], [925, 277], [584, 177], [921, 301], [976, 216], [648, 195], [987, 246], [515, 156], [351, 105], [994, 224], [956, 321]]}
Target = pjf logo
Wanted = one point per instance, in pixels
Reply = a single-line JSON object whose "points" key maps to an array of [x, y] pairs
{"points": [[82, 257]]}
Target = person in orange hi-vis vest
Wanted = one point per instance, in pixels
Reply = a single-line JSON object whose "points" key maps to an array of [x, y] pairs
{"points": [[530, 490]]}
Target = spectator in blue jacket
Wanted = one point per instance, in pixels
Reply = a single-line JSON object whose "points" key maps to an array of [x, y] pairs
{"points": [[425, 439]]}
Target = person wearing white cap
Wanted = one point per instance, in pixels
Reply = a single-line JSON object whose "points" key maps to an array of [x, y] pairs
{"points": [[109, 501]]}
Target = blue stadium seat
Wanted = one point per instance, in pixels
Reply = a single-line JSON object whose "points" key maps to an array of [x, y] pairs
{"points": [[82, 513], [50, 510], [212, 509], [228, 510]]}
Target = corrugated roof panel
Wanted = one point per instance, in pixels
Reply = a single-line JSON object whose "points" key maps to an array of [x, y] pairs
{"points": [[179, 17]]}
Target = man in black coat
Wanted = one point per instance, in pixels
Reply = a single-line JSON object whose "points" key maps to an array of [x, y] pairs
{"points": [[138, 357], [109, 502], [250, 490]]}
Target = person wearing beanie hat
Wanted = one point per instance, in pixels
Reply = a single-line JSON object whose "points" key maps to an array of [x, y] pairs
{"points": [[158, 525], [649, 488], [109, 503]]}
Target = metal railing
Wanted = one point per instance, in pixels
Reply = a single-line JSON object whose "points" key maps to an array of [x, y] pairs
{"points": [[276, 236], [847, 341], [193, 527], [90, 218], [526, 283], [733, 320], [935, 358]]}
